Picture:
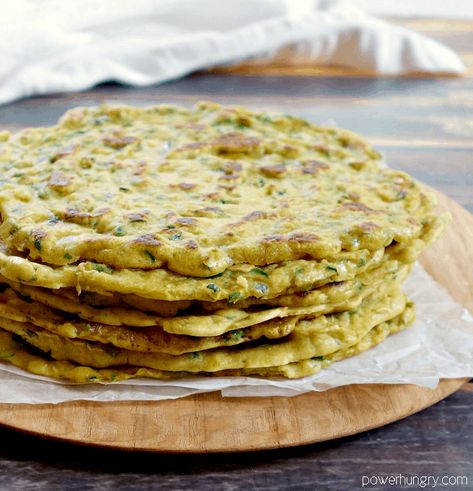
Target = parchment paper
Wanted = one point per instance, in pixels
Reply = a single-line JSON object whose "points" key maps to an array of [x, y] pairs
{"points": [[438, 345]]}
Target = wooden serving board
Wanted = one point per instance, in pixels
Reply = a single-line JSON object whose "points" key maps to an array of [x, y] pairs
{"points": [[210, 423]]}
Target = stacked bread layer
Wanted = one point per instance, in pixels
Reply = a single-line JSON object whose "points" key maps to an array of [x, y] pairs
{"points": [[164, 242]]}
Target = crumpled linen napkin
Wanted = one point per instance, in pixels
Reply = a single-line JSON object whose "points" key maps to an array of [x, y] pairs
{"points": [[56, 46]]}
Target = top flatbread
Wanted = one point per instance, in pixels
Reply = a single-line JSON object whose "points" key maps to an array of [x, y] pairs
{"points": [[196, 191]]}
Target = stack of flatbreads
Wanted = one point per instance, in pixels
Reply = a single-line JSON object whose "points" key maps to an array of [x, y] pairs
{"points": [[166, 242]]}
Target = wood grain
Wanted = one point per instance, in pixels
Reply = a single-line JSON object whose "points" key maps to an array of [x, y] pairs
{"points": [[210, 423]]}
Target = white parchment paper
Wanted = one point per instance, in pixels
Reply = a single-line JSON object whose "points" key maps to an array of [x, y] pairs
{"points": [[439, 345]]}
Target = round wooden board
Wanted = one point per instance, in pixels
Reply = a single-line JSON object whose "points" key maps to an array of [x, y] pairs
{"points": [[210, 423]]}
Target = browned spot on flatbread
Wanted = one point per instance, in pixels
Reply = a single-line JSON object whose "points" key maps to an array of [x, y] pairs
{"points": [[235, 142], [38, 234], [171, 215], [253, 216], [59, 180], [191, 244], [147, 239], [118, 142], [350, 142], [136, 216], [354, 196], [357, 206], [208, 211], [314, 167], [368, 226], [63, 153], [186, 221], [232, 167], [250, 217], [185, 186], [191, 126], [191, 146], [276, 170], [322, 148], [273, 238], [303, 237], [139, 168], [229, 177], [76, 213]]}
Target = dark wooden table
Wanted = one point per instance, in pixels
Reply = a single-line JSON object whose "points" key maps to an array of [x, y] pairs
{"points": [[421, 125]]}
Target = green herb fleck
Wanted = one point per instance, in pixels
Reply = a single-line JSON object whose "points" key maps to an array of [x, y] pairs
{"points": [[94, 378], [233, 297], [261, 182], [102, 268], [318, 358], [332, 268], [150, 256], [259, 271], [125, 190], [361, 262], [31, 333], [177, 236], [119, 232], [195, 355], [213, 287], [236, 335], [111, 350], [37, 244], [67, 256], [53, 219]]}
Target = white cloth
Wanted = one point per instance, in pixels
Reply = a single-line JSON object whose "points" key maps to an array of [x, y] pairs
{"points": [[56, 46]]}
